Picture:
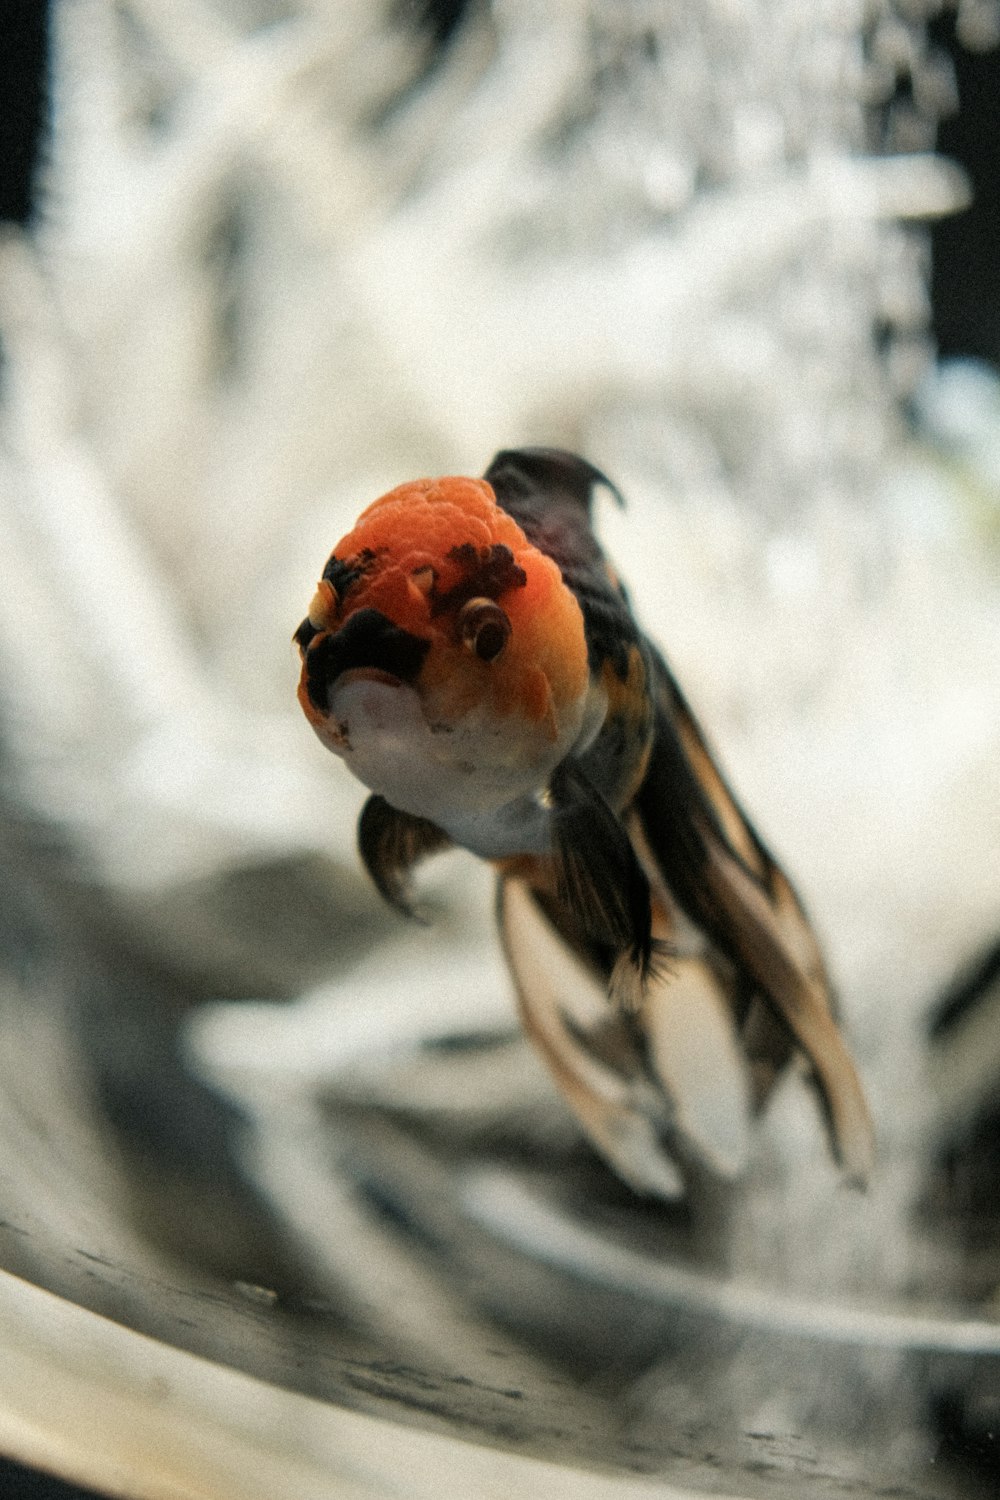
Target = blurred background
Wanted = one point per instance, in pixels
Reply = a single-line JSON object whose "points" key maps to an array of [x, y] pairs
{"points": [[265, 259]]}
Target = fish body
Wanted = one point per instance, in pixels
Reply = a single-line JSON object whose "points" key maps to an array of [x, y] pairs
{"points": [[472, 657]]}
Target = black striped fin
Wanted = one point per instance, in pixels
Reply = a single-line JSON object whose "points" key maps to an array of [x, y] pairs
{"points": [[391, 843]]}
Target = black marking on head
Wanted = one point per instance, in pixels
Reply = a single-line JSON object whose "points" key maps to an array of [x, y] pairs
{"points": [[342, 572], [317, 673], [521, 472], [305, 635], [367, 639], [491, 572]]}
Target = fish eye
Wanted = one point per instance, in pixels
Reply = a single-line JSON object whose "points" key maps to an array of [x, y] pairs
{"points": [[484, 628]]}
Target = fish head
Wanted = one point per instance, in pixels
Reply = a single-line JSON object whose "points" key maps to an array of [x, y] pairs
{"points": [[443, 656]]}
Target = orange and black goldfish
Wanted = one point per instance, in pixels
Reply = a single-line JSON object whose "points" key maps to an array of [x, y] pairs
{"points": [[472, 658]]}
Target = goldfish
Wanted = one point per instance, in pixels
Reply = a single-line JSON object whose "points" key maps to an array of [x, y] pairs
{"points": [[472, 657]]}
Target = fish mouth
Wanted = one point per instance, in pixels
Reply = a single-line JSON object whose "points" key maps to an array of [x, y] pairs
{"points": [[376, 724], [338, 728], [367, 647]]}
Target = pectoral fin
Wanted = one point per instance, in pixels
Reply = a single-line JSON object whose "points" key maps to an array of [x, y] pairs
{"points": [[391, 843], [601, 880]]}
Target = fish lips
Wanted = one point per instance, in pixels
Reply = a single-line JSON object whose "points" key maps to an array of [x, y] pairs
{"points": [[367, 644]]}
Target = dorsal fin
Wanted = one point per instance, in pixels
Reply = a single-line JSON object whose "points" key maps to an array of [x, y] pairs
{"points": [[516, 473]]}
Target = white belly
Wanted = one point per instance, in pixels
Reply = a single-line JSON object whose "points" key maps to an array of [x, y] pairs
{"points": [[479, 781]]}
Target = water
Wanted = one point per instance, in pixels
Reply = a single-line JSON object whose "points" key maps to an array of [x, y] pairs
{"points": [[293, 256]]}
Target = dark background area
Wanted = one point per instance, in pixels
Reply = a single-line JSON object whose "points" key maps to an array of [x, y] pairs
{"points": [[23, 36], [966, 304], [966, 247]]}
